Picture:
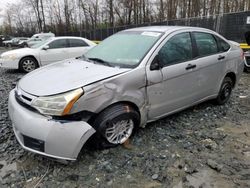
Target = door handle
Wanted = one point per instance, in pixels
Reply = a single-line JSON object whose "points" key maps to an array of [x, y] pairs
{"points": [[221, 57], [190, 66]]}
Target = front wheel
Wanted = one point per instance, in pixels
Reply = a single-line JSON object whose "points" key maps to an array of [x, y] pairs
{"points": [[225, 91], [28, 64], [115, 125]]}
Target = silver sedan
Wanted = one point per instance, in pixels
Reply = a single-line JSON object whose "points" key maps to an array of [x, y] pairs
{"points": [[133, 77]]}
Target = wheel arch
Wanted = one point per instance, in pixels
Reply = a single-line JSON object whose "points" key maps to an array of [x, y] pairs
{"points": [[32, 56], [129, 103], [232, 76]]}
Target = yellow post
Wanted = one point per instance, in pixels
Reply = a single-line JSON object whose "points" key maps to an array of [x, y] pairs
{"points": [[244, 46]]}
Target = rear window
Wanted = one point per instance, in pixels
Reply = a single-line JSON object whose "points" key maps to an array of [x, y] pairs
{"points": [[77, 43]]}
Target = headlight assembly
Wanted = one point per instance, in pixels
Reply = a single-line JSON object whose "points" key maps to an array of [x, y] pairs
{"points": [[57, 105], [11, 56]]}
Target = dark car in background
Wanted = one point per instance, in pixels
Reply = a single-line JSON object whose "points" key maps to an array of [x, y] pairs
{"points": [[247, 52], [14, 42], [4, 38]]}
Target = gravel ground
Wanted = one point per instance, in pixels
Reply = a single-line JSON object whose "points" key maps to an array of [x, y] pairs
{"points": [[203, 146]]}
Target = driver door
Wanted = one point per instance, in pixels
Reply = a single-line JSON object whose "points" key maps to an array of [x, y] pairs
{"points": [[174, 85], [57, 51]]}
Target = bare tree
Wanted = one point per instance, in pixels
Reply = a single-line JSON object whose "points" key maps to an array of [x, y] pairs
{"points": [[43, 16], [110, 5], [70, 16]]}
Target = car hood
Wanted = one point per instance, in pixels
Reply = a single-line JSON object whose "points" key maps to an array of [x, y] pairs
{"points": [[20, 52], [7, 41], [65, 76]]}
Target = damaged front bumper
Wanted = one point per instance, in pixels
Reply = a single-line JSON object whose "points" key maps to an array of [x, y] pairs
{"points": [[46, 136]]}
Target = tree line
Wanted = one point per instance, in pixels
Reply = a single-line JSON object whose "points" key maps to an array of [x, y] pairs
{"points": [[69, 16]]}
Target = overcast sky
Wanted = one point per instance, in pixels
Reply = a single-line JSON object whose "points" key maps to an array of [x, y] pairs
{"points": [[5, 2], [3, 5]]}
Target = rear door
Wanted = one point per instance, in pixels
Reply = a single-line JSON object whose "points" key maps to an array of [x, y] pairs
{"points": [[210, 63], [77, 47], [174, 86], [58, 50]]}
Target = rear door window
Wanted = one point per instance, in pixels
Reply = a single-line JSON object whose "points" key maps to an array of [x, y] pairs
{"points": [[77, 43], [223, 45], [206, 44]]}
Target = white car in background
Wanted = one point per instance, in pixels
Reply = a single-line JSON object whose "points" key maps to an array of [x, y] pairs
{"points": [[43, 35], [30, 42], [49, 51], [36, 38]]}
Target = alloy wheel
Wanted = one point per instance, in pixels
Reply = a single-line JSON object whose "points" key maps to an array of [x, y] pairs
{"points": [[28, 65], [120, 131]]}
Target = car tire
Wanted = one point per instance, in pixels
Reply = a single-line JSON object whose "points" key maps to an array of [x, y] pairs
{"points": [[225, 91], [8, 45], [114, 126], [28, 64]]}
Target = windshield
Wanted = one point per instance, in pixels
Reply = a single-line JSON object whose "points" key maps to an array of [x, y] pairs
{"points": [[125, 49], [39, 44]]}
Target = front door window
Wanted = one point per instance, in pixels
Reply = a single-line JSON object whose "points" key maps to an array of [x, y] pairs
{"points": [[177, 49]]}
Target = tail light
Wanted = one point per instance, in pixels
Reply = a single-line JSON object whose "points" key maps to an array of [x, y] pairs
{"points": [[242, 55]]}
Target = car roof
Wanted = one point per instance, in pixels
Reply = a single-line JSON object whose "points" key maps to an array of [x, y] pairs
{"points": [[165, 29], [68, 37], [38, 34]]}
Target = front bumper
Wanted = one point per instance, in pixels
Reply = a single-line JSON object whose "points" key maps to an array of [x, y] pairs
{"points": [[10, 64], [46, 136]]}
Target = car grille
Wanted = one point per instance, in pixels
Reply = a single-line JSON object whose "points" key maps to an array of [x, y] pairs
{"points": [[19, 99], [248, 60], [33, 143]]}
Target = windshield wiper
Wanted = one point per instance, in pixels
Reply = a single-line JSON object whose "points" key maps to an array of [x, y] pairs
{"points": [[100, 61], [83, 57]]}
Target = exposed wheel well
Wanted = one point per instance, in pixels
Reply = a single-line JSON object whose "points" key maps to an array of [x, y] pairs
{"points": [[134, 106], [232, 76], [19, 64]]}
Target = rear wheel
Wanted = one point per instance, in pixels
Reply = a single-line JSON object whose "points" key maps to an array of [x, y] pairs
{"points": [[115, 125], [225, 91], [28, 64]]}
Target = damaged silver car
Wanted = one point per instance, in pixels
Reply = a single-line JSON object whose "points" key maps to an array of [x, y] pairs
{"points": [[133, 77]]}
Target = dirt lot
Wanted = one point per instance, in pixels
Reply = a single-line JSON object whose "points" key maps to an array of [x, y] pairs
{"points": [[204, 146]]}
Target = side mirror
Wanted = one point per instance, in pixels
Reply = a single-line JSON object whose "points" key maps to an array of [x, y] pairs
{"points": [[45, 47], [156, 64]]}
